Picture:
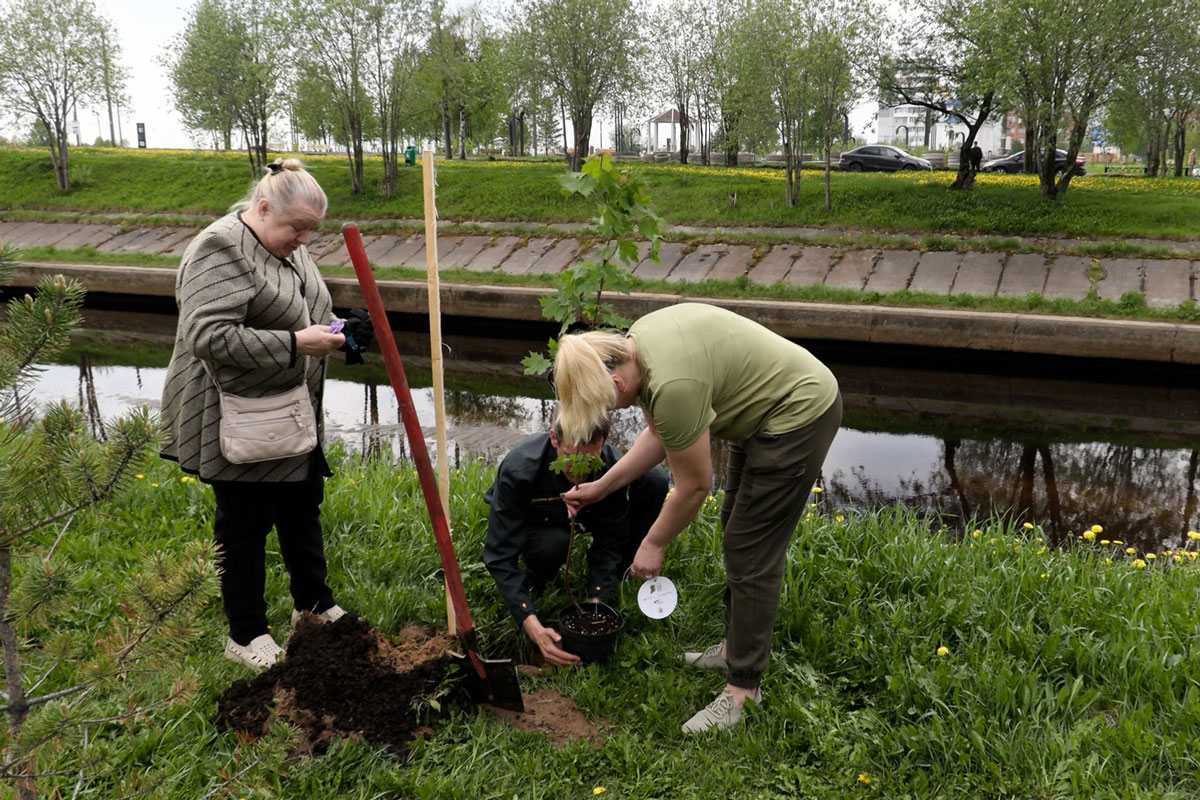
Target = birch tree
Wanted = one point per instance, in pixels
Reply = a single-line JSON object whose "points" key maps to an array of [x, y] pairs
{"points": [[52, 60]]}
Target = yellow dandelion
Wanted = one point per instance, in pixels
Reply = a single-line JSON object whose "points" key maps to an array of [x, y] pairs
{"points": [[812, 505], [1045, 575], [1193, 535], [1178, 559], [1137, 563], [599, 790], [1102, 541], [1097, 529], [840, 518], [1028, 526], [155, 485], [817, 490], [1151, 556], [864, 778], [1130, 550], [943, 651], [1088, 535], [1041, 551], [183, 479], [976, 534], [1118, 541], [139, 476], [1108, 561]]}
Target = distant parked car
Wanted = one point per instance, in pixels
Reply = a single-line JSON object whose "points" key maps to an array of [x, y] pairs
{"points": [[882, 157], [1016, 162]]}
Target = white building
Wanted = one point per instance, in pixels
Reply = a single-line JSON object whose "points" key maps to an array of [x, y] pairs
{"points": [[905, 125]]}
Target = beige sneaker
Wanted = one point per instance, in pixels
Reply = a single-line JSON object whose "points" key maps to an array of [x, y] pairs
{"points": [[261, 653], [711, 658], [331, 614], [720, 714]]}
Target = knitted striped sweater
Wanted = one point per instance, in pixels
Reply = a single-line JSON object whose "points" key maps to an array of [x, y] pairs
{"points": [[239, 307]]}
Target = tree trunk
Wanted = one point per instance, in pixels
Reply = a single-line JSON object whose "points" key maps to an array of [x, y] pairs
{"points": [[789, 184], [1180, 142], [828, 204], [13, 685], [446, 137], [683, 133], [462, 132], [582, 122], [563, 110]]}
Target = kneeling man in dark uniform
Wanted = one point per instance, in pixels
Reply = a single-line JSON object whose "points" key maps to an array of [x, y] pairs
{"points": [[528, 522]]}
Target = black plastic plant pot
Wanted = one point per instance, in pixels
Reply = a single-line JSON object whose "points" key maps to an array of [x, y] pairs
{"points": [[591, 632]]}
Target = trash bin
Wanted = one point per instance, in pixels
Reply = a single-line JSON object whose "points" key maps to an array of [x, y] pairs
{"points": [[410, 156]]}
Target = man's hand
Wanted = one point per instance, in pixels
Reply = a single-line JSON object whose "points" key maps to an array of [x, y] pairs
{"points": [[647, 562], [581, 495], [548, 640]]}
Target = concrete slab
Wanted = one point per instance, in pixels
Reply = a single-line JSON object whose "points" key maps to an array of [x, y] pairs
{"points": [[140, 241], [37, 234], [924, 327], [935, 272], [524, 257], [122, 241], [733, 264], [493, 254], [1121, 275], [324, 243], [465, 249], [893, 271], [852, 269], [696, 265], [772, 267], [669, 254], [403, 249], [1023, 273], [978, 274], [556, 259], [177, 240], [413, 259], [1090, 338], [1168, 281], [810, 267], [1068, 277], [380, 247]]}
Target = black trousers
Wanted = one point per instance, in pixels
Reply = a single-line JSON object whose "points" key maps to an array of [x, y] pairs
{"points": [[245, 514]]}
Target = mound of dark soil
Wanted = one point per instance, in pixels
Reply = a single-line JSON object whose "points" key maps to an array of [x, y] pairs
{"points": [[342, 679]]}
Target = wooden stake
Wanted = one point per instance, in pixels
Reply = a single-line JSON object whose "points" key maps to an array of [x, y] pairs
{"points": [[435, 354]]}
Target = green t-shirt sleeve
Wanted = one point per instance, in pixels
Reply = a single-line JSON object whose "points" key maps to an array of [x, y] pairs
{"points": [[682, 411]]}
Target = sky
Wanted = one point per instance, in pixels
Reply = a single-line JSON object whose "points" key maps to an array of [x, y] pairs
{"points": [[145, 28]]}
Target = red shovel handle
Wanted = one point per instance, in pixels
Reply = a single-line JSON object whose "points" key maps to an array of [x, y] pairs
{"points": [[408, 412]]}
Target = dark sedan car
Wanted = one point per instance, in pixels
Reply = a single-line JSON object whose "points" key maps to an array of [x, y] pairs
{"points": [[882, 157], [1016, 162]]}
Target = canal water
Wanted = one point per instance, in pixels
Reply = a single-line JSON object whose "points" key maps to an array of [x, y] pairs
{"points": [[1062, 446]]}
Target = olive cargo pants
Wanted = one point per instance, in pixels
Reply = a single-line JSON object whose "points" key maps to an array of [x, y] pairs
{"points": [[766, 491]]}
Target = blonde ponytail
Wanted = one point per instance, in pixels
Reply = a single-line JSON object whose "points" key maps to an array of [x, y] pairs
{"points": [[583, 367], [285, 185]]}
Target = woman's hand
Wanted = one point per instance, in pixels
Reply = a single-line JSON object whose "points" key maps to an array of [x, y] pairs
{"points": [[548, 640], [583, 494], [647, 562], [316, 340]]}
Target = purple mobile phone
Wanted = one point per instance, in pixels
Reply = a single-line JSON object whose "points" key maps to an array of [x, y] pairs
{"points": [[337, 325]]}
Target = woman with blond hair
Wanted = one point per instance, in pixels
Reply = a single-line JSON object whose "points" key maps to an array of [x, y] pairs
{"points": [[254, 320], [698, 372]]}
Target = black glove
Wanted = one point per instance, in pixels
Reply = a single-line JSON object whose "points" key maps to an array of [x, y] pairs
{"points": [[359, 335]]}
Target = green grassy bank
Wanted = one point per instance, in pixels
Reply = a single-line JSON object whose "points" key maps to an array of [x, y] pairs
{"points": [[183, 182], [905, 664]]}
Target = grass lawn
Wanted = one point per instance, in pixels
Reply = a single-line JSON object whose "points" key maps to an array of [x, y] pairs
{"points": [[905, 664], [182, 182]]}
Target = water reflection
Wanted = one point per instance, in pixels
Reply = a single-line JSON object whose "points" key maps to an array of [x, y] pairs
{"points": [[1063, 454]]}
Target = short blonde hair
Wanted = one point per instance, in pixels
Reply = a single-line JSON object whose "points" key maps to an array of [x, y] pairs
{"points": [[285, 185], [583, 364]]}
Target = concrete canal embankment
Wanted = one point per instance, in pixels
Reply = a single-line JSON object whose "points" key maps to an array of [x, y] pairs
{"points": [[985, 332]]}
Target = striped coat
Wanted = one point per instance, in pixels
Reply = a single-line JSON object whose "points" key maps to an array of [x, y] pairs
{"points": [[238, 308]]}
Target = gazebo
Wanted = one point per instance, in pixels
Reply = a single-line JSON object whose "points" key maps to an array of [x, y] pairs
{"points": [[673, 118]]}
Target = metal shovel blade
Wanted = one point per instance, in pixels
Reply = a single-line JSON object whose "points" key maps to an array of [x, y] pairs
{"points": [[497, 686]]}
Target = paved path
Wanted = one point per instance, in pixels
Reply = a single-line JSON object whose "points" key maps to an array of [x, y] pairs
{"points": [[1163, 281]]}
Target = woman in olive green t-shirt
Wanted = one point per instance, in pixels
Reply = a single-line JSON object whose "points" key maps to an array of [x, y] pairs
{"points": [[699, 372]]}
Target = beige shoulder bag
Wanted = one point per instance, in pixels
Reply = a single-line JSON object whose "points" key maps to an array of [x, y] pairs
{"points": [[266, 428]]}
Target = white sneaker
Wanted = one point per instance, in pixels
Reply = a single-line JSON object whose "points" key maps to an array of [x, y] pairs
{"points": [[711, 658], [331, 614], [261, 653], [720, 714]]}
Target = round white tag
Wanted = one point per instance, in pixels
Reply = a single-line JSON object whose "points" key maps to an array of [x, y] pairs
{"points": [[657, 597]]}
